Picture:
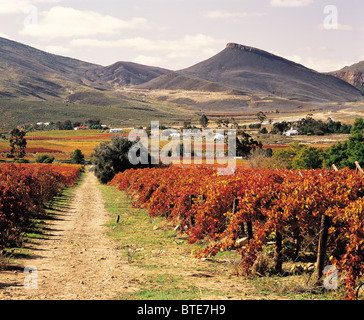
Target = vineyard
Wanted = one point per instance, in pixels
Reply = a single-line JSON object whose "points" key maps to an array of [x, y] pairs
{"points": [[317, 212], [25, 192]]}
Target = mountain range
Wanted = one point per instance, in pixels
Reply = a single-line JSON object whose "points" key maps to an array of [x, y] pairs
{"points": [[26, 72]]}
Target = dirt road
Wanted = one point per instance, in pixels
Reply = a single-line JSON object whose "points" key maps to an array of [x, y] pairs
{"points": [[76, 260]]}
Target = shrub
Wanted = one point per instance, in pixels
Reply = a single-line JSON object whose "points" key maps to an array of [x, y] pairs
{"points": [[44, 158]]}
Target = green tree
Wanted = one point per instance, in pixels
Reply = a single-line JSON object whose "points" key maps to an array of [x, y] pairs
{"points": [[112, 157], [17, 140], [358, 126], [204, 121], [187, 124], [261, 116], [77, 156], [280, 127], [308, 158], [282, 158], [245, 144], [67, 125], [345, 154], [263, 130], [44, 158]]}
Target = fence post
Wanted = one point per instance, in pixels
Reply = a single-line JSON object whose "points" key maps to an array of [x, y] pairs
{"points": [[234, 210], [358, 167], [278, 253], [192, 217], [249, 226], [321, 250]]}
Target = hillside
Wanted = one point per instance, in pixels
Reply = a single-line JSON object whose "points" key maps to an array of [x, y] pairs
{"points": [[255, 71], [121, 74], [33, 73], [29, 72], [175, 80], [353, 74]]}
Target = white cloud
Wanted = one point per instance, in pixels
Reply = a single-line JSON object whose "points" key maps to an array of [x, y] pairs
{"points": [[160, 52], [148, 60], [18, 6], [55, 49], [340, 27], [187, 43], [3, 35], [290, 3], [222, 14], [66, 22], [319, 64]]}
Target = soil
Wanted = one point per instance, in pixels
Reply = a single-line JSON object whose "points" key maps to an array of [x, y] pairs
{"points": [[76, 260]]}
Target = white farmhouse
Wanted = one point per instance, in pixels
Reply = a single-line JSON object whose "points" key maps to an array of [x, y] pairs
{"points": [[116, 130], [219, 137], [291, 132]]}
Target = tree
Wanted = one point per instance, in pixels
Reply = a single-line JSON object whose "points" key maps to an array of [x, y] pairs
{"points": [[263, 130], [280, 127], [204, 121], [77, 156], [246, 144], [17, 139], [112, 157], [261, 116], [67, 125], [308, 158], [44, 158], [94, 124], [358, 126], [282, 158], [345, 154], [187, 124]]}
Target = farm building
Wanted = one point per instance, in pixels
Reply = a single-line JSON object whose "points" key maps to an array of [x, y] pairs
{"points": [[219, 137], [291, 132], [116, 130], [81, 128]]}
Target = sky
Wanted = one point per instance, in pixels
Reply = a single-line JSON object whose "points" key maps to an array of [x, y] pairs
{"points": [[324, 35]]}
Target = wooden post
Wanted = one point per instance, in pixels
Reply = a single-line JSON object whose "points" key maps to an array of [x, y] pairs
{"points": [[235, 205], [321, 250], [358, 167], [234, 210], [249, 226], [168, 213], [278, 253], [192, 217]]}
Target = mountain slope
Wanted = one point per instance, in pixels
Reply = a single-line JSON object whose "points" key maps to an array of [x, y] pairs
{"points": [[121, 74], [353, 74], [29, 72], [252, 70], [26, 71]]}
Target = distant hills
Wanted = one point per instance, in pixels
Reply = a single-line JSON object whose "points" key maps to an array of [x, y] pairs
{"points": [[353, 74], [252, 71], [26, 72], [29, 72]]}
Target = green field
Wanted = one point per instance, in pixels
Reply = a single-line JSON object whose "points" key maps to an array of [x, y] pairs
{"points": [[128, 113]]}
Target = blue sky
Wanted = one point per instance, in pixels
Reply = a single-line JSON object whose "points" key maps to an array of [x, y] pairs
{"points": [[176, 34]]}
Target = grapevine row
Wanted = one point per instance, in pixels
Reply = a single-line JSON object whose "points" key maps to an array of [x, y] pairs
{"points": [[25, 190], [258, 205]]}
